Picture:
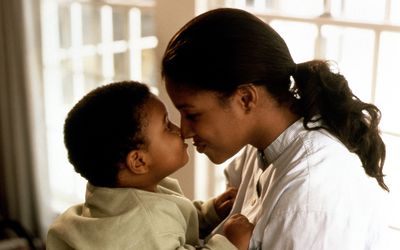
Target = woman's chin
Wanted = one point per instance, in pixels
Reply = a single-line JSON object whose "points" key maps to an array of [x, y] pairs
{"points": [[216, 159]]}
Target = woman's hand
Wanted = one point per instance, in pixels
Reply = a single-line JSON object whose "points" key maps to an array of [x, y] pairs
{"points": [[223, 203]]}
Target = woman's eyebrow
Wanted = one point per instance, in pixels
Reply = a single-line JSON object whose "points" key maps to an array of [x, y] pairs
{"points": [[184, 106]]}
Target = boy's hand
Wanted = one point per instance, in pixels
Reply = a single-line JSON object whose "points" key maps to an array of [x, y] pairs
{"points": [[223, 203], [238, 230]]}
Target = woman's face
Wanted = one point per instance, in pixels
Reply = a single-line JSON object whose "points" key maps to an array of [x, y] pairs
{"points": [[217, 129]]}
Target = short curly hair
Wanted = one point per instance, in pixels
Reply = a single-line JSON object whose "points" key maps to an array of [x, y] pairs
{"points": [[103, 127]]}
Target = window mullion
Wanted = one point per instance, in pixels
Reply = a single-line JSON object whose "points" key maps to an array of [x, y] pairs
{"points": [[107, 48], [388, 6], [375, 65], [77, 50], [135, 47]]}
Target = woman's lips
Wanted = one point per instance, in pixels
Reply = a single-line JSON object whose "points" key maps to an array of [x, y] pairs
{"points": [[200, 147]]}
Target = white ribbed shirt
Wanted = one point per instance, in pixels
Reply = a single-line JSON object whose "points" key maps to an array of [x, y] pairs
{"points": [[314, 194]]}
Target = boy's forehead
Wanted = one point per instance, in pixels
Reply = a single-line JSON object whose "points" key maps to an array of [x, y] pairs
{"points": [[156, 105], [153, 111]]}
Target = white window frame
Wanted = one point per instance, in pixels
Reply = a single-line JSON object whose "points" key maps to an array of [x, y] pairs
{"points": [[53, 55]]}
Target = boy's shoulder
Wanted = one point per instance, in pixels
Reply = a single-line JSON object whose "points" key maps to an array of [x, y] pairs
{"points": [[169, 193], [171, 184], [106, 202]]}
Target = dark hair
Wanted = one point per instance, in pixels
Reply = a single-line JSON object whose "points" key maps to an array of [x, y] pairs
{"points": [[103, 127], [224, 48]]}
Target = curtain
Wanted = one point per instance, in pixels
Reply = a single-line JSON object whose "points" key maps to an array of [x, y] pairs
{"points": [[20, 192]]}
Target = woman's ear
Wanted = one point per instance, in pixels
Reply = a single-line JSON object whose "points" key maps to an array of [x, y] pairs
{"points": [[248, 96], [137, 163]]}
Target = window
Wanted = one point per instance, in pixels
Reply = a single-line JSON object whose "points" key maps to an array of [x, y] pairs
{"points": [[362, 37], [90, 42], [86, 44]]}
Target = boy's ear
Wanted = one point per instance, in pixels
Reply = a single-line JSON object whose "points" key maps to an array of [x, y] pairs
{"points": [[248, 96], [136, 161]]}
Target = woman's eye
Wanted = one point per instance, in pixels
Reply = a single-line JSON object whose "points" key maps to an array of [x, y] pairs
{"points": [[191, 117]]}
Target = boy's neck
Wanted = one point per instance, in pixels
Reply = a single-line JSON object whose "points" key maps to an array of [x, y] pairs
{"points": [[149, 188], [128, 180]]}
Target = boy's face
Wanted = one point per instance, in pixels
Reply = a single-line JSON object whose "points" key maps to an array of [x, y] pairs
{"points": [[165, 147]]}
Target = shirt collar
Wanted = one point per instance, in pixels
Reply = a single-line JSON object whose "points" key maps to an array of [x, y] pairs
{"points": [[276, 148]]}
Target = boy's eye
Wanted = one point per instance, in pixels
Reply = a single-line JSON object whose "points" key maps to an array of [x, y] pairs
{"points": [[172, 128], [169, 125]]}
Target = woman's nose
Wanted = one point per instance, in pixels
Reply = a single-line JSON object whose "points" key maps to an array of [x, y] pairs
{"points": [[186, 130]]}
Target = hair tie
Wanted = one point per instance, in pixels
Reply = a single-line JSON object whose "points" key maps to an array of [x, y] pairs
{"points": [[293, 89]]}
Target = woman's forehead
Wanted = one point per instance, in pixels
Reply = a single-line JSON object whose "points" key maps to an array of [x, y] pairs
{"points": [[184, 98]]}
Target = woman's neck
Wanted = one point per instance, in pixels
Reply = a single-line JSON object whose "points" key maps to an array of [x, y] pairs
{"points": [[271, 122]]}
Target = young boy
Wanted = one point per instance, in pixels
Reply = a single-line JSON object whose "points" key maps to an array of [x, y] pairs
{"points": [[119, 138]]}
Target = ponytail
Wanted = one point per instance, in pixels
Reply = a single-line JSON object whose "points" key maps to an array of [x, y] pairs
{"points": [[326, 97]]}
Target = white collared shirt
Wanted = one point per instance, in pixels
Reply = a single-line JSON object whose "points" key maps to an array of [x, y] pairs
{"points": [[314, 194]]}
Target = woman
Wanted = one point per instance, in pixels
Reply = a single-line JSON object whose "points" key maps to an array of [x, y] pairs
{"points": [[312, 155]]}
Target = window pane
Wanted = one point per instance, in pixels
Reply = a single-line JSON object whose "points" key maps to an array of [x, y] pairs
{"points": [[301, 49], [91, 24], [302, 8], [64, 26], [120, 23], [368, 10], [149, 72], [92, 72], [121, 64], [355, 58], [212, 4], [148, 25], [387, 94], [66, 81], [395, 11]]}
